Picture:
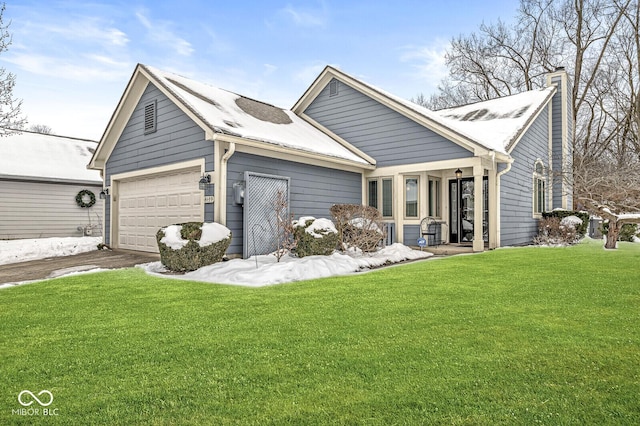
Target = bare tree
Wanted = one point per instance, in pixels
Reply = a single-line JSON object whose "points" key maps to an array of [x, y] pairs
{"points": [[597, 42], [41, 128], [10, 118], [609, 190], [284, 232]]}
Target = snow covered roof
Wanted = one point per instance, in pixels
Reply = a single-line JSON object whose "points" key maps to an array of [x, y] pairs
{"points": [[498, 122], [47, 157], [229, 113]]}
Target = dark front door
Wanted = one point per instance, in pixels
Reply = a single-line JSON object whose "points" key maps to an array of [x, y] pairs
{"points": [[461, 216]]}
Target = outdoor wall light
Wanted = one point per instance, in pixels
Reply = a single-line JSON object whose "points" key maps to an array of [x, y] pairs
{"points": [[104, 194], [205, 182], [458, 174]]}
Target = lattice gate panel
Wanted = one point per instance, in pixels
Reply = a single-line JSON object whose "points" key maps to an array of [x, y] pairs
{"points": [[260, 226]]}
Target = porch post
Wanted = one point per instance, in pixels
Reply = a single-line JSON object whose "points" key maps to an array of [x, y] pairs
{"points": [[478, 242], [493, 209], [398, 196]]}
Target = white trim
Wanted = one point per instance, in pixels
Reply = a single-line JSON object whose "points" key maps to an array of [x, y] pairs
{"points": [[564, 137], [220, 208], [478, 213], [380, 194], [404, 197], [160, 169], [439, 202], [265, 149], [528, 125], [398, 207], [535, 178], [494, 208], [417, 168], [552, 166]]}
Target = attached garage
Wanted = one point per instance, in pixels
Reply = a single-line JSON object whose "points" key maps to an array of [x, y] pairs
{"points": [[144, 204]]}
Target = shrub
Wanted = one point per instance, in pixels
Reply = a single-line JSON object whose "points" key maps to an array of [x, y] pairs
{"points": [[561, 214], [552, 232], [358, 226], [315, 236], [190, 246]]}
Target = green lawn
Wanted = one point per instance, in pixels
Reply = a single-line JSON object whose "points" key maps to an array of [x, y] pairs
{"points": [[513, 336]]}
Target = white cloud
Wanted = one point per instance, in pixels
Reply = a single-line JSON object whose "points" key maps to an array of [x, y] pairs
{"points": [[90, 68], [308, 73], [82, 30], [161, 33], [269, 69], [428, 61], [307, 17]]}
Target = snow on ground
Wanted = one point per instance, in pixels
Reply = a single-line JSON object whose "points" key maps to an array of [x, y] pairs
{"points": [[264, 270], [237, 271], [14, 251]]}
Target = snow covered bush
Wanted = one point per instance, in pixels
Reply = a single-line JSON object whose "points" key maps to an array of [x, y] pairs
{"points": [[551, 231], [315, 236], [573, 221], [190, 246], [358, 226], [562, 214]]}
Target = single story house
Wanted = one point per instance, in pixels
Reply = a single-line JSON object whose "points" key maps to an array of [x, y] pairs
{"points": [[484, 172], [40, 178]]}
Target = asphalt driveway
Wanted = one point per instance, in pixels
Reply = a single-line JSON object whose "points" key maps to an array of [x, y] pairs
{"points": [[56, 266]]}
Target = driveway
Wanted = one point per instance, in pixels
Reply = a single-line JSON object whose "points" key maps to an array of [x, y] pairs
{"points": [[55, 266]]}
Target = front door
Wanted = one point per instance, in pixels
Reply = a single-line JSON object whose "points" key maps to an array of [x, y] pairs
{"points": [[461, 210]]}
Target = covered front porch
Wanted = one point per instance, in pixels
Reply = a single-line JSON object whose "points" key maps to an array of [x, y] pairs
{"points": [[458, 198]]}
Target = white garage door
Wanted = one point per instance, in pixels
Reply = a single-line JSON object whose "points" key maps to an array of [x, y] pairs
{"points": [[148, 203]]}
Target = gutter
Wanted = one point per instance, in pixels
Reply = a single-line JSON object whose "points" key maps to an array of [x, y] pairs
{"points": [[64, 181], [498, 218], [222, 183]]}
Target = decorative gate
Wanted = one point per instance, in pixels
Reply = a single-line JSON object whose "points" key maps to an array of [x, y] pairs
{"points": [[260, 227]]}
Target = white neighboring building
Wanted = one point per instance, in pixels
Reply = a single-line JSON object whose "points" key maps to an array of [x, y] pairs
{"points": [[40, 178]]}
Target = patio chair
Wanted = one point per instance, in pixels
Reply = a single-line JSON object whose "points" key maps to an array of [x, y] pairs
{"points": [[429, 227]]}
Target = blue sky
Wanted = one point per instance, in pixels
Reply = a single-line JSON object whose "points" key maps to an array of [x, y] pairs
{"points": [[73, 59]]}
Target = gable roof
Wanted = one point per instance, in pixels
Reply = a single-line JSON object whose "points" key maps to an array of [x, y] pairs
{"points": [[36, 156], [218, 111], [494, 125], [497, 123]]}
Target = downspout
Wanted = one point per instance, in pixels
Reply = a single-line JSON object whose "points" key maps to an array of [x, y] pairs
{"points": [[223, 183], [498, 218]]}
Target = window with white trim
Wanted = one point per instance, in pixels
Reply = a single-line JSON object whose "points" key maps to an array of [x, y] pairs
{"points": [[411, 184], [380, 195], [539, 189], [434, 196]]}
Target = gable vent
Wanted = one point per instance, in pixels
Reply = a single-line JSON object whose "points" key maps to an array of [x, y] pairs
{"points": [[150, 117], [333, 88]]}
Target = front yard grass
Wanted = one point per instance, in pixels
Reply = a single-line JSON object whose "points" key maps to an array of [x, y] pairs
{"points": [[512, 336]]}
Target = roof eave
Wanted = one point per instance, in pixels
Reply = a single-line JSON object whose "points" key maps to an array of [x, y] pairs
{"points": [[274, 147]]}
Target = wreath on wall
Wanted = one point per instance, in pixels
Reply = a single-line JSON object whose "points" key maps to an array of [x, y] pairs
{"points": [[82, 201]]}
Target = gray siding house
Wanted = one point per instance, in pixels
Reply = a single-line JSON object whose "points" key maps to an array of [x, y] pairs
{"points": [[484, 172], [40, 177]]}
